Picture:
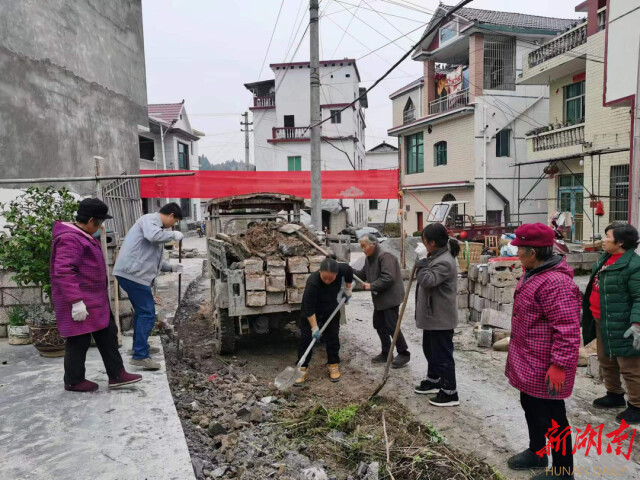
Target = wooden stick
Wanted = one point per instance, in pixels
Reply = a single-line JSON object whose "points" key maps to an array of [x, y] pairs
{"points": [[387, 446], [395, 335]]}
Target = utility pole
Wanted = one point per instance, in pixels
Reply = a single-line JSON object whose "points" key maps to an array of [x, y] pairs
{"points": [[246, 131], [316, 129]]}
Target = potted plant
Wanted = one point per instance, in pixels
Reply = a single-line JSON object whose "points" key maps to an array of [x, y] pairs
{"points": [[44, 331], [18, 329], [557, 125], [25, 246]]}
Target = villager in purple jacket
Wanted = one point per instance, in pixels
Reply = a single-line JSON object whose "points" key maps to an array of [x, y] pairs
{"points": [[79, 293], [543, 353]]}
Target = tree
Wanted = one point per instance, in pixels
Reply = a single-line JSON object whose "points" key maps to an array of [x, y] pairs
{"points": [[26, 248]]}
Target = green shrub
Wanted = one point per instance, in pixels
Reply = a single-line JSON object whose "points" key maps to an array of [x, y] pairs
{"points": [[17, 317]]}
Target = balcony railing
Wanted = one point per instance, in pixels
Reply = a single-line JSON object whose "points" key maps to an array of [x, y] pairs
{"points": [[563, 137], [291, 133], [456, 100], [408, 116], [562, 44], [263, 102]]}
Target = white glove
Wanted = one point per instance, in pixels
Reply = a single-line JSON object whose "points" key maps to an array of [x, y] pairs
{"points": [[79, 311], [315, 332], [178, 236], [421, 251], [635, 331], [347, 291], [177, 267]]}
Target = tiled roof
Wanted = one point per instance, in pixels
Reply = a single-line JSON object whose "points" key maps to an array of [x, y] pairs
{"points": [[517, 20], [166, 112]]}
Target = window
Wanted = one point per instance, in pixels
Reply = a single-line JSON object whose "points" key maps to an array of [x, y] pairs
{"points": [[183, 156], [503, 141], [415, 153], [499, 63], [336, 116], [295, 164], [373, 204], [440, 154], [409, 112], [574, 103], [448, 32], [147, 148], [185, 206], [494, 217], [619, 192]]}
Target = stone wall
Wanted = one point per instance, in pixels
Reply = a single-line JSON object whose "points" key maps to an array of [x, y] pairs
{"points": [[12, 295]]}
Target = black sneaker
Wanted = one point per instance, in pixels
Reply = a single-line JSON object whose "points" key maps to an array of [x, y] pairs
{"points": [[445, 400], [631, 415], [527, 460], [401, 360], [610, 400], [380, 358], [426, 387], [555, 473]]}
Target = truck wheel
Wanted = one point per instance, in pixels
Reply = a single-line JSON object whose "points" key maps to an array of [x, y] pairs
{"points": [[224, 332]]}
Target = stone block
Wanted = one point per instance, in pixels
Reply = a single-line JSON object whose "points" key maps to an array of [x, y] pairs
{"points": [[463, 285], [298, 265], [253, 265], [504, 294], [473, 272], [502, 345], [479, 304], [474, 316], [483, 273], [472, 299], [255, 281], [478, 288], [486, 291], [276, 298], [276, 266], [21, 296], [593, 367], [4, 316], [504, 265], [499, 334], [493, 305], [494, 318], [484, 258], [463, 300], [276, 283], [299, 280], [506, 308], [256, 299], [463, 315], [126, 322], [126, 309], [574, 265], [485, 337], [590, 257], [314, 262], [294, 295], [3, 331], [573, 257], [503, 279], [586, 266]]}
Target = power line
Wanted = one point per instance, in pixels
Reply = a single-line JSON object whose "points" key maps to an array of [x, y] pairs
{"points": [[345, 29], [373, 10], [271, 39]]}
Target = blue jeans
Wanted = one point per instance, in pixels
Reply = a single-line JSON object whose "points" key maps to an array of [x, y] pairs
{"points": [[144, 317]]}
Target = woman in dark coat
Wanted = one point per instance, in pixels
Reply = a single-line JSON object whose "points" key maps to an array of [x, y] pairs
{"points": [[437, 313]]}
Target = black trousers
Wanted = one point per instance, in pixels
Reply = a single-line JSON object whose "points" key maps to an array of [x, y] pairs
{"points": [[331, 337], [437, 346], [385, 321], [76, 353], [539, 412]]}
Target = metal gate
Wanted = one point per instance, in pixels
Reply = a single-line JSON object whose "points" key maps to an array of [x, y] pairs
{"points": [[125, 206]]}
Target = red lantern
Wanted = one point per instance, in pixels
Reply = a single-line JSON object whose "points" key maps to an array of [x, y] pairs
{"points": [[463, 235], [599, 208]]}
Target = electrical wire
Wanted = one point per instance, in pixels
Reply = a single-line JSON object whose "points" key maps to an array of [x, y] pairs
{"points": [[345, 29], [266, 54]]}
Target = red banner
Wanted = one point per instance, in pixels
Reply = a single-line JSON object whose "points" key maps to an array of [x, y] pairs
{"points": [[206, 184]]}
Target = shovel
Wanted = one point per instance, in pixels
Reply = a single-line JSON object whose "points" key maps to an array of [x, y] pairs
{"points": [[395, 336], [291, 375]]}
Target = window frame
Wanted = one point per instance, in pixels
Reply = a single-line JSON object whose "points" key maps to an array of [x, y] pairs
{"points": [[373, 204], [186, 159], [438, 153], [582, 101], [415, 150], [336, 116], [619, 193], [297, 162], [501, 145]]}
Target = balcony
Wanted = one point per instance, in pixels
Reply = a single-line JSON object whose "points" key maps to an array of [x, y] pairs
{"points": [[558, 46], [450, 102], [560, 138], [292, 134], [408, 116], [264, 102]]}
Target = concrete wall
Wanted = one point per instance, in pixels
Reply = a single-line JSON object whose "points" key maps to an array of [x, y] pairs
{"points": [[622, 51], [383, 160], [73, 86], [12, 295], [400, 102]]}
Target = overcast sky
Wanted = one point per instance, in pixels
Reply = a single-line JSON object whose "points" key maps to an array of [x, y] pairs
{"points": [[203, 51]]}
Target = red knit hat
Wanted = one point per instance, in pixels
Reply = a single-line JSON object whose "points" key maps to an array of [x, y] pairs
{"points": [[533, 235]]}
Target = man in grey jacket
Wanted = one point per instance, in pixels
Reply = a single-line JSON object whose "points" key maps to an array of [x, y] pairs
{"points": [[383, 278], [137, 267]]}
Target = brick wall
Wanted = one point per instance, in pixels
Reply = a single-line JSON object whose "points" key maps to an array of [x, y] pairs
{"points": [[476, 65]]}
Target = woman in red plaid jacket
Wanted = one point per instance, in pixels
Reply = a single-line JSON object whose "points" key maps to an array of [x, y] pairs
{"points": [[543, 353]]}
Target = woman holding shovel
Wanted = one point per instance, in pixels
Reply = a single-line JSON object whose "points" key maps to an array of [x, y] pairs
{"points": [[437, 313], [321, 296]]}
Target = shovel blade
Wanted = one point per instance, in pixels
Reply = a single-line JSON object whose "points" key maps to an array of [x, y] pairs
{"points": [[288, 377], [289, 228]]}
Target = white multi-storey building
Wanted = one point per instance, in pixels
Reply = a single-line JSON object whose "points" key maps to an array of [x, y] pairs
{"points": [[281, 119]]}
